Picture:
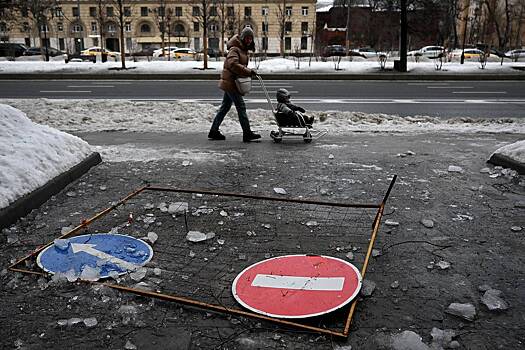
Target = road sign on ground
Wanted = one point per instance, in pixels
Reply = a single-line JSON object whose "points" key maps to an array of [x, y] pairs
{"points": [[297, 286], [112, 254]]}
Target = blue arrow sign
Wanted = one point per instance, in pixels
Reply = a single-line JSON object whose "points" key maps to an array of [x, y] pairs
{"points": [[111, 253]]}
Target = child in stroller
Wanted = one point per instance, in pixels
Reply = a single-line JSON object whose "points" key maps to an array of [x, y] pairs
{"points": [[290, 115]]}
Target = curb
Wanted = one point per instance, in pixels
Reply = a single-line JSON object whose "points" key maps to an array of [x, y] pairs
{"points": [[269, 76], [506, 162], [23, 206]]}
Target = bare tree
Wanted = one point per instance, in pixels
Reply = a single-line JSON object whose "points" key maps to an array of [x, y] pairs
{"points": [[102, 18], [227, 21], [120, 7], [40, 12], [282, 18], [160, 15], [498, 15], [201, 14]]}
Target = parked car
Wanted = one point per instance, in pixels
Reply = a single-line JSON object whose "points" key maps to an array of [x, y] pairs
{"points": [[167, 50], [144, 52], [366, 52], [516, 54], [212, 52], [333, 50], [469, 53], [427, 51], [183, 54], [35, 51], [12, 49], [93, 51]]}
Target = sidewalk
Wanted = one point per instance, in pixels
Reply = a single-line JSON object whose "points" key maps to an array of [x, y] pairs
{"points": [[475, 217]]}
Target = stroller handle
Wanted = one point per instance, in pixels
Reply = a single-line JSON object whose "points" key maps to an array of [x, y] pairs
{"points": [[265, 92]]}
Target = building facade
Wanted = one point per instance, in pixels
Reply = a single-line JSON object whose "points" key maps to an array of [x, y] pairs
{"points": [[72, 25]]}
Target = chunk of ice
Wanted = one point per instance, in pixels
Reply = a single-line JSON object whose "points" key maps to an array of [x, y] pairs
{"points": [[90, 273], [90, 322], [138, 274], [279, 190], [408, 340], [465, 311], [493, 301], [152, 237], [178, 207], [61, 244]]}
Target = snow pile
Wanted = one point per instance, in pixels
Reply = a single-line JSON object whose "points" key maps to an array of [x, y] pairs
{"points": [[32, 154], [358, 65], [515, 151], [190, 117]]}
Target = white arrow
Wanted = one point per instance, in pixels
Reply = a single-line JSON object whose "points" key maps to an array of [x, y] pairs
{"points": [[298, 282], [88, 248]]}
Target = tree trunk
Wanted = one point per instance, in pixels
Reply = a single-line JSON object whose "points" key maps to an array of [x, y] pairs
{"points": [[122, 43]]}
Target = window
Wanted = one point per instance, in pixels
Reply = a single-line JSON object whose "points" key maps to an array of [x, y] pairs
{"points": [[61, 44], [161, 11], [178, 11], [196, 11], [214, 27], [144, 11], [75, 12], [44, 28], [111, 28], [25, 27], [247, 11], [3, 27], [179, 30], [77, 28], [127, 11], [265, 11], [95, 41], [109, 11], [93, 11], [196, 26], [304, 10], [213, 11], [287, 26], [58, 12], [94, 27], [304, 27], [230, 11], [304, 43], [197, 44], [145, 28], [127, 27], [264, 43], [60, 26], [288, 11], [288, 43], [264, 27], [162, 27]]}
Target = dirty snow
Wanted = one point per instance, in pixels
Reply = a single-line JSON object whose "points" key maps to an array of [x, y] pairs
{"points": [[514, 151]]}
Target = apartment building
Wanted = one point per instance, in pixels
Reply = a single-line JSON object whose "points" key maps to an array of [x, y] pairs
{"points": [[72, 25]]}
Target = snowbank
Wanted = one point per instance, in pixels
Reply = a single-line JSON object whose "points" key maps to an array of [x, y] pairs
{"points": [[514, 151], [32, 154], [275, 65], [178, 116]]}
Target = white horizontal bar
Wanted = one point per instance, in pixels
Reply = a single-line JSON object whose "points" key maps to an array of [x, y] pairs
{"points": [[297, 282]]}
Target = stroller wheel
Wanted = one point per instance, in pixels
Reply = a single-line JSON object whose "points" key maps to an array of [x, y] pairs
{"points": [[276, 136]]}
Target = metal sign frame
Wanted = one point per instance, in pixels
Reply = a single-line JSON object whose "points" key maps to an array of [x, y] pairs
{"points": [[19, 265]]}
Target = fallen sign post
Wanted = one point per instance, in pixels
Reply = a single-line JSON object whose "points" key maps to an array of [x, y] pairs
{"points": [[297, 286], [110, 254]]}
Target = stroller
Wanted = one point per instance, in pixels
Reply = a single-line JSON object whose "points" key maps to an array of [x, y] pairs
{"points": [[287, 127]]}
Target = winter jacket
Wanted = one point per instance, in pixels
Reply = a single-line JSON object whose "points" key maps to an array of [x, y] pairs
{"points": [[235, 64], [289, 109]]}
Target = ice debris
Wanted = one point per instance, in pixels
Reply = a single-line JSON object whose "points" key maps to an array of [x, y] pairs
{"points": [[331, 156], [130, 346], [223, 213], [441, 339], [279, 190], [61, 244], [152, 237], [443, 265], [138, 274], [455, 169], [350, 256], [376, 253], [408, 340], [391, 223], [178, 207], [312, 223], [394, 285], [516, 228], [186, 163], [493, 301], [90, 322], [465, 311], [428, 223], [197, 236], [90, 273], [367, 288]]}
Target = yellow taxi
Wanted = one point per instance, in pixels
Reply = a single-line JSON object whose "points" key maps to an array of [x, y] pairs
{"points": [[183, 54], [95, 50]]}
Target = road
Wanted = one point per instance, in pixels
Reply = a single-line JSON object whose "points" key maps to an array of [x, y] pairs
{"points": [[496, 99]]}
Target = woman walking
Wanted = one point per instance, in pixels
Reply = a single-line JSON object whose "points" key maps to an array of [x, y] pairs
{"points": [[235, 66]]}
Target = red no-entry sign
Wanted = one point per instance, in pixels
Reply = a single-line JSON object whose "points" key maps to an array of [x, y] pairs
{"points": [[297, 286]]}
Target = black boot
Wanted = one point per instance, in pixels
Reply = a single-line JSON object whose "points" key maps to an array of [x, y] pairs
{"points": [[250, 137], [216, 135]]}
